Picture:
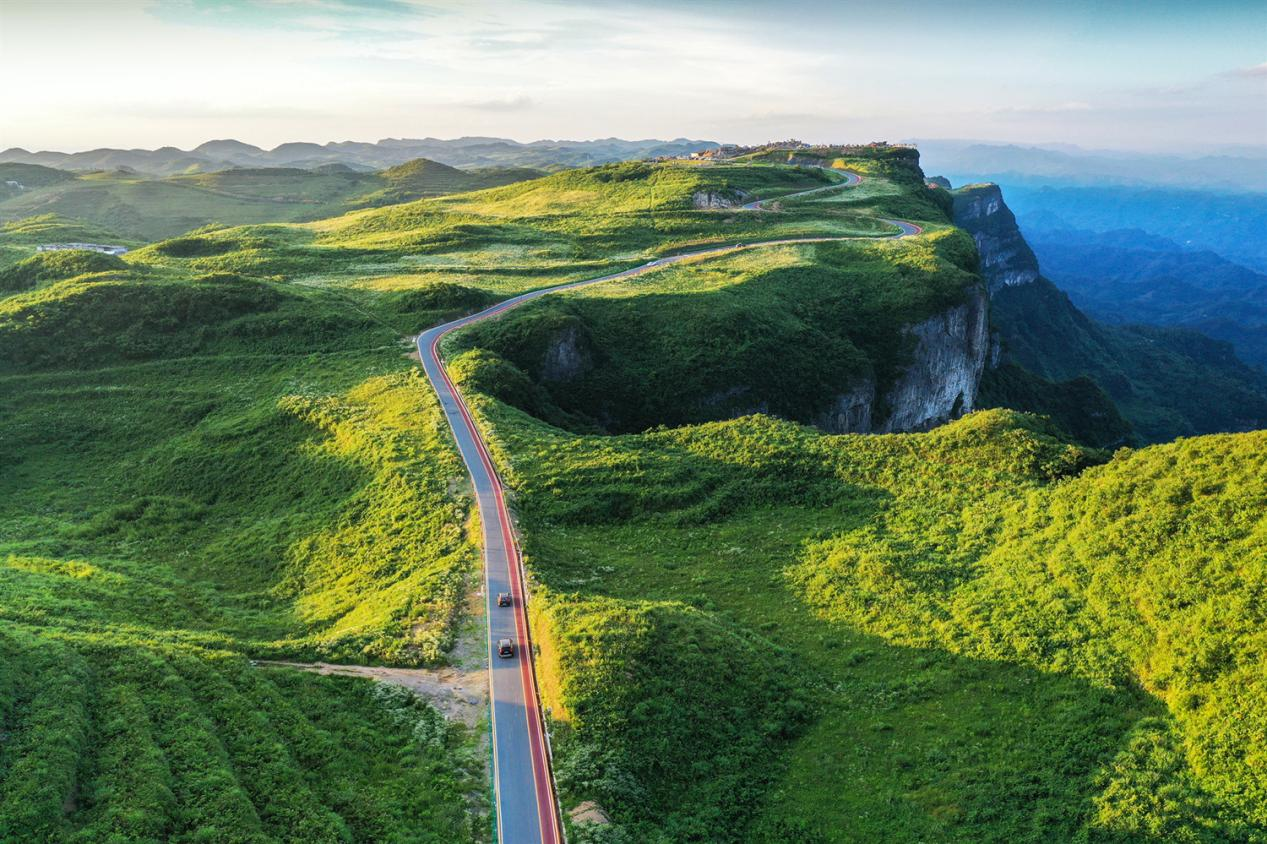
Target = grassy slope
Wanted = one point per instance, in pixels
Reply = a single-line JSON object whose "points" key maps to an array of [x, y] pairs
{"points": [[155, 518], [18, 239], [666, 560], [197, 471], [670, 559], [571, 225], [762, 633], [148, 209]]}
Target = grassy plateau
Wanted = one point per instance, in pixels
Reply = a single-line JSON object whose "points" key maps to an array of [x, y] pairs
{"points": [[215, 450]]}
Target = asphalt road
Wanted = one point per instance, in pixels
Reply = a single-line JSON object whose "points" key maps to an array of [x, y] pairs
{"points": [[851, 179], [523, 785]]}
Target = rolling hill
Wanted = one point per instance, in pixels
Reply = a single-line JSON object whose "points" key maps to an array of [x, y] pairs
{"points": [[465, 153], [140, 208], [971, 627]]}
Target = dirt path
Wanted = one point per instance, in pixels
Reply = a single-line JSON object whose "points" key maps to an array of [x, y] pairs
{"points": [[460, 693]]}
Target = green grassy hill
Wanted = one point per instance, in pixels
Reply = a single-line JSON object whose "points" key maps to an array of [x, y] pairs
{"points": [[217, 450], [16, 178], [570, 225], [55, 266], [760, 633], [423, 178], [198, 471], [145, 208], [19, 239]]}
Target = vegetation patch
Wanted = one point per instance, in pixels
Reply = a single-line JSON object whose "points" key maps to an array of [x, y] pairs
{"points": [[112, 740], [44, 267], [781, 331], [197, 471], [922, 596]]}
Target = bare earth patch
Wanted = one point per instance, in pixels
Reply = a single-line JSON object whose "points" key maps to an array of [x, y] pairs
{"points": [[589, 812], [459, 693]]}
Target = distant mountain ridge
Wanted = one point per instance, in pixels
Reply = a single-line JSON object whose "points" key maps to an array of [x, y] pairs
{"points": [[141, 207], [465, 153], [1237, 171], [1165, 381], [1129, 276]]}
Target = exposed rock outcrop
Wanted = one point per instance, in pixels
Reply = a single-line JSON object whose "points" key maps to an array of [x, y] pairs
{"points": [[1006, 259], [939, 384], [953, 348], [942, 380], [719, 198], [567, 356], [850, 412]]}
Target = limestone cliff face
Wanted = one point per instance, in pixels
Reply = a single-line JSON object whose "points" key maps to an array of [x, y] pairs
{"points": [[719, 199], [850, 412], [1006, 259], [567, 356], [939, 384]]}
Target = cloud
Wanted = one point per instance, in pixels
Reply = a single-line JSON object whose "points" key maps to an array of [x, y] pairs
{"points": [[1258, 71], [1054, 108], [517, 102]]}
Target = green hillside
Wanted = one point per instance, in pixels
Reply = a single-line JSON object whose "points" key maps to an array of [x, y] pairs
{"points": [[16, 178], [19, 239], [782, 330], [198, 471], [423, 178], [145, 208], [45, 267], [570, 225], [761, 633], [218, 450]]}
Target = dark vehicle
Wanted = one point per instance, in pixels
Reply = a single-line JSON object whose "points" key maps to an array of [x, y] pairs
{"points": [[503, 599], [505, 648]]}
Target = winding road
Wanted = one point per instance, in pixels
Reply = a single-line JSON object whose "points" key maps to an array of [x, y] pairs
{"points": [[523, 785], [851, 179]]}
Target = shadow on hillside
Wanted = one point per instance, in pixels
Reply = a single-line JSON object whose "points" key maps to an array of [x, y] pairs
{"points": [[904, 744], [783, 340]]}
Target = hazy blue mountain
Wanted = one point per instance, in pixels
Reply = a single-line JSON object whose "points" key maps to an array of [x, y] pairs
{"points": [[1130, 276], [1237, 169], [1230, 224]]}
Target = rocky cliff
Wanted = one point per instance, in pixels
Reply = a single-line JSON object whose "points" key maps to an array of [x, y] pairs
{"points": [[939, 384], [942, 380], [1097, 381], [1006, 259], [731, 198]]}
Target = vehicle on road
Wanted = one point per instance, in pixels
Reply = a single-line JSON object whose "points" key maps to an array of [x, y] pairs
{"points": [[505, 648], [503, 599]]}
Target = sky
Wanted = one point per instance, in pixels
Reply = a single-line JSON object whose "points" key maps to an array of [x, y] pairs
{"points": [[1157, 75]]}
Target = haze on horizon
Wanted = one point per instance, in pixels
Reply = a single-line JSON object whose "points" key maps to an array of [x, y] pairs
{"points": [[146, 73]]}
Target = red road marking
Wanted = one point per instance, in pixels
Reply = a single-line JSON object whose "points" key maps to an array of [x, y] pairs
{"points": [[540, 765]]}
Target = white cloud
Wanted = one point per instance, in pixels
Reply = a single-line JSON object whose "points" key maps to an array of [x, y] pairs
{"points": [[1258, 71], [147, 73]]}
